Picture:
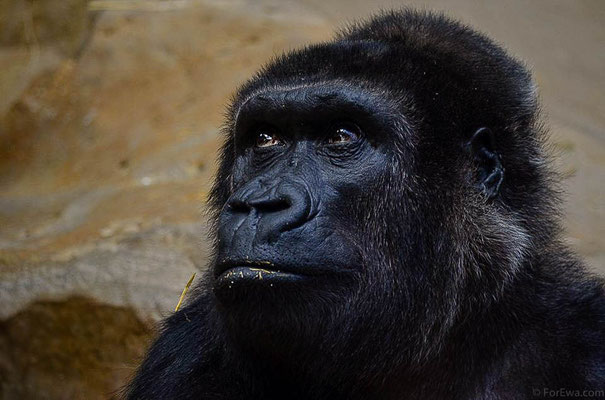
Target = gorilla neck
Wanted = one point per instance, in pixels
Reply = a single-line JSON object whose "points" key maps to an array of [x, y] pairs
{"points": [[338, 361], [319, 365]]}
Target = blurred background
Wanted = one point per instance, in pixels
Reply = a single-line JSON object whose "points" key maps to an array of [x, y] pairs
{"points": [[109, 120]]}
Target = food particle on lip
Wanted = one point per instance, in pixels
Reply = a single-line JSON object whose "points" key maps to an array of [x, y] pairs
{"points": [[259, 273], [262, 271]]}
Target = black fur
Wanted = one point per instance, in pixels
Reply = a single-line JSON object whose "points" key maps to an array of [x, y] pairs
{"points": [[452, 280]]}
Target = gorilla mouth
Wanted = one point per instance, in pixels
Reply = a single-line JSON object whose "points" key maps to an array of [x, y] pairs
{"points": [[253, 273], [237, 284], [233, 273]]}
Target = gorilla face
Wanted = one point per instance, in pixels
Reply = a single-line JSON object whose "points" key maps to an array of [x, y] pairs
{"points": [[303, 155], [307, 257]]}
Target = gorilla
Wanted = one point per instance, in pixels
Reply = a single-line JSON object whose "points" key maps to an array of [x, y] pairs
{"points": [[385, 226]]}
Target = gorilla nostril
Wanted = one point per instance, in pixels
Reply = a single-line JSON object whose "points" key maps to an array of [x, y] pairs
{"points": [[239, 206], [260, 205], [268, 205]]}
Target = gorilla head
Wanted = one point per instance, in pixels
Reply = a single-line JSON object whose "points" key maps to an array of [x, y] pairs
{"points": [[362, 188], [383, 219]]}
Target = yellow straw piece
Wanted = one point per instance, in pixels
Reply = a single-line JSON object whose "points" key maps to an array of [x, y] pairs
{"points": [[184, 292]]}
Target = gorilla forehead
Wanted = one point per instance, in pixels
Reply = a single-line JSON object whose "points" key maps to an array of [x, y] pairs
{"points": [[429, 63], [326, 67]]}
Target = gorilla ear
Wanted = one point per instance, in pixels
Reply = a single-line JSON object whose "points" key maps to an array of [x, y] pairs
{"points": [[487, 160]]}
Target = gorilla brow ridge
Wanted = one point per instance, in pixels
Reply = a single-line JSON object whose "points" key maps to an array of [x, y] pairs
{"points": [[393, 113]]}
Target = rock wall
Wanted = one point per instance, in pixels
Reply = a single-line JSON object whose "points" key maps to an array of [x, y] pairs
{"points": [[71, 349]]}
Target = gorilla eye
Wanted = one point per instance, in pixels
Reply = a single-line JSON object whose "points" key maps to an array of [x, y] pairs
{"points": [[266, 139], [343, 133]]}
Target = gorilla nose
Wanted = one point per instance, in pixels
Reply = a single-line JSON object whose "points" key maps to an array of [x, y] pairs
{"points": [[263, 215]]}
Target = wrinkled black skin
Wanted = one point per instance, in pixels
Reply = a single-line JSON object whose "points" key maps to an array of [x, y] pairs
{"points": [[426, 256]]}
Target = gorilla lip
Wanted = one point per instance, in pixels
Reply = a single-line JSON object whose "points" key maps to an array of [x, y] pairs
{"points": [[259, 269], [250, 273], [232, 270]]}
